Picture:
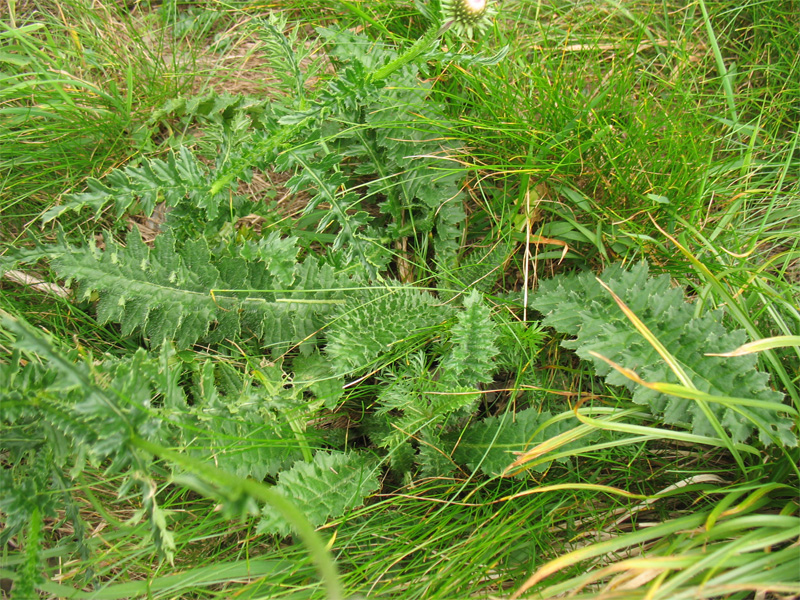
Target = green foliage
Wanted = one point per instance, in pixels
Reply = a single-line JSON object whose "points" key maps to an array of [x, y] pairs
{"points": [[421, 404], [97, 414], [162, 538], [518, 342], [324, 180], [374, 321], [470, 360], [578, 305], [29, 574], [27, 256], [388, 134], [294, 357], [184, 292], [25, 481], [73, 411], [181, 176], [76, 86], [415, 411], [315, 373], [211, 108], [481, 268], [324, 488], [703, 563], [287, 50], [495, 442], [237, 424], [354, 130], [152, 290]]}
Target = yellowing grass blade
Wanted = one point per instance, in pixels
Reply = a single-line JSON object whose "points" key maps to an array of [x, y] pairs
{"points": [[671, 361], [681, 391], [676, 368], [780, 341], [613, 545]]}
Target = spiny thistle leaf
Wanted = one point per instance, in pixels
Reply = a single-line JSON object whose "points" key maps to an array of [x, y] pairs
{"points": [[323, 179], [319, 291], [185, 293], [16, 257], [180, 176], [315, 372], [376, 321], [278, 254], [30, 462], [415, 407], [450, 218], [433, 460], [212, 106], [240, 431], [399, 144], [470, 361], [152, 290], [327, 487], [285, 54], [29, 573], [494, 443], [580, 306], [519, 343], [421, 412], [81, 412], [162, 537], [347, 47], [481, 268]]}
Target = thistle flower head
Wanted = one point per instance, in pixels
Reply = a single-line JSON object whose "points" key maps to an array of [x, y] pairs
{"points": [[467, 16]]}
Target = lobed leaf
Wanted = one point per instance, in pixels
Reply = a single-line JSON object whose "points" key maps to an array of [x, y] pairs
{"points": [[579, 305], [375, 321], [327, 487]]}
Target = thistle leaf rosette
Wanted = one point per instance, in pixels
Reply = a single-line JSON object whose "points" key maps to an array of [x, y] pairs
{"points": [[467, 17]]}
